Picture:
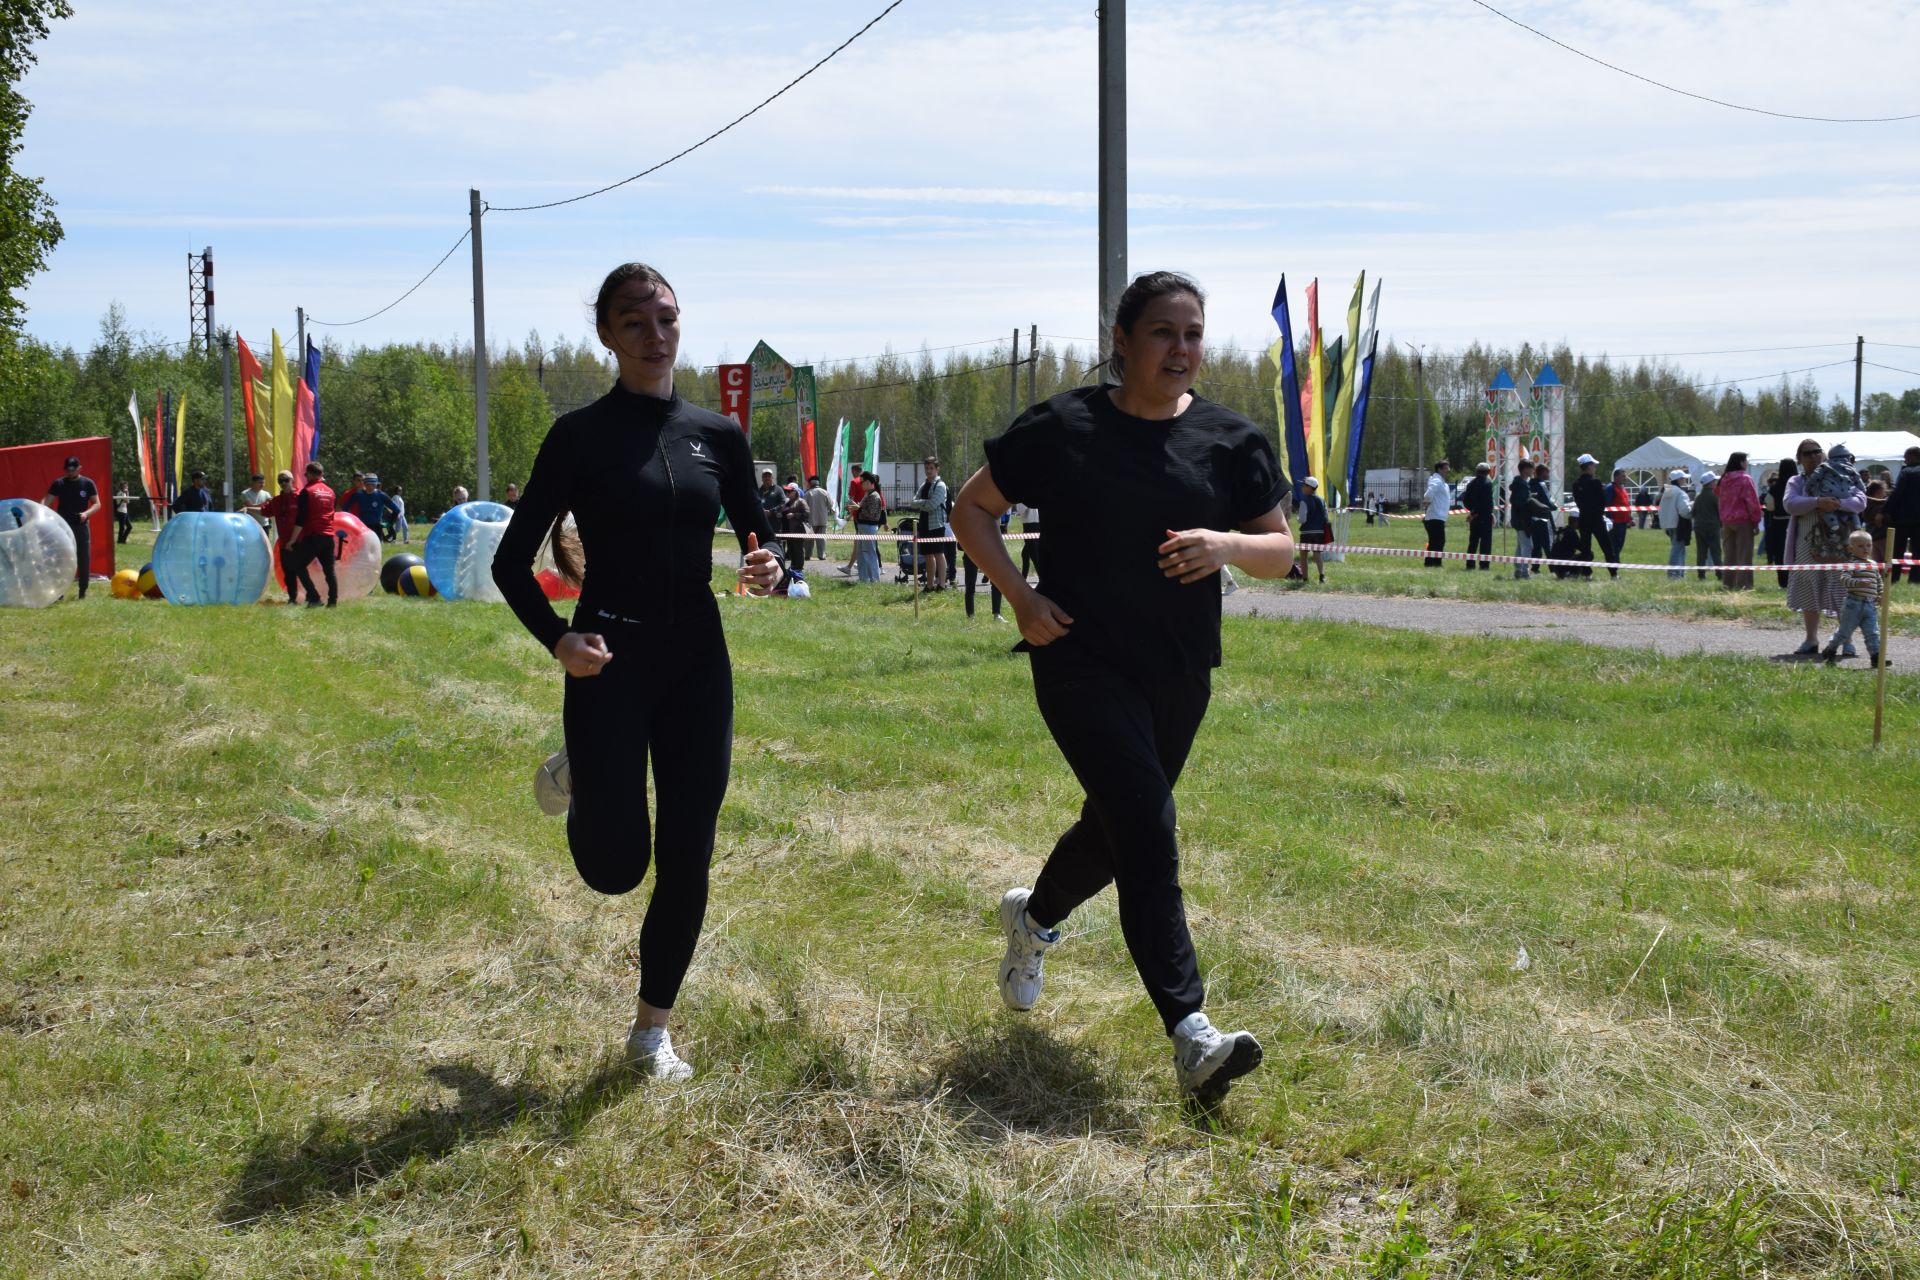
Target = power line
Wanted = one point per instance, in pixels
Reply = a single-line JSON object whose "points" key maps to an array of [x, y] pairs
{"points": [[1889, 368], [1904, 346], [342, 324], [1698, 97], [1729, 351], [551, 204]]}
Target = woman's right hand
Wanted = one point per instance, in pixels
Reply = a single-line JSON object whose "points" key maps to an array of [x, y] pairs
{"points": [[1041, 620], [1826, 504], [583, 653]]}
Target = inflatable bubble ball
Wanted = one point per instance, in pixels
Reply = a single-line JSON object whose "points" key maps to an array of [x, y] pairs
{"points": [[394, 567], [212, 557], [415, 582], [148, 584], [356, 560], [37, 554], [460, 551], [126, 585]]}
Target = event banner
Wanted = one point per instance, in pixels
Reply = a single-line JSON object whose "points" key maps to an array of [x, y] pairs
{"points": [[772, 377], [736, 394]]}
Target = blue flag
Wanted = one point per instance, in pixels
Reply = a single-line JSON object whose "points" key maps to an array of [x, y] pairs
{"points": [[311, 376], [1288, 393]]}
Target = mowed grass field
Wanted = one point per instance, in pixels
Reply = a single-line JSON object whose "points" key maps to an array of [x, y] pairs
{"points": [[296, 981]]}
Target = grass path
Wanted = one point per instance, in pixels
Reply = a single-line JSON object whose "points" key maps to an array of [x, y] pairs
{"points": [[295, 981]]}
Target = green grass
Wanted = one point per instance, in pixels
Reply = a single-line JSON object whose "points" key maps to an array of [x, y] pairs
{"points": [[295, 981]]}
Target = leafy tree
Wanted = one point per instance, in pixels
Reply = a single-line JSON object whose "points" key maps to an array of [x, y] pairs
{"points": [[28, 228]]}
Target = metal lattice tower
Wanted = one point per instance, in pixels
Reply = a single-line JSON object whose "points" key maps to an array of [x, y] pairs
{"points": [[200, 299]]}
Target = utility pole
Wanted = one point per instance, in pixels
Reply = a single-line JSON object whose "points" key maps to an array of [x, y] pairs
{"points": [[1112, 16], [1859, 356], [1419, 410], [1033, 363], [1013, 380], [226, 408], [481, 487], [300, 335]]}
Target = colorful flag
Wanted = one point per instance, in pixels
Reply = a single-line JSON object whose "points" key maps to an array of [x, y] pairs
{"points": [[311, 376], [872, 460], [154, 453], [140, 444], [179, 440], [249, 379], [1286, 391], [1340, 420], [807, 472], [282, 410], [1316, 389], [1369, 345], [837, 472], [306, 426]]}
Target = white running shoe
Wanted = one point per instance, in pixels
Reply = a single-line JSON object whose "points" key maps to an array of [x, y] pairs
{"points": [[1207, 1062], [553, 784], [650, 1050], [1020, 971]]}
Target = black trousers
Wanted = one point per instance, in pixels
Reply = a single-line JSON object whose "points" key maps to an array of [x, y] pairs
{"points": [[125, 522], [1029, 549], [1126, 739], [305, 553], [1480, 540], [1906, 542], [666, 697], [973, 578], [1594, 530], [1436, 541], [83, 548]]}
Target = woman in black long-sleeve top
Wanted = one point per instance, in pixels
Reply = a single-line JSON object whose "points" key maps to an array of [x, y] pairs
{"points": [[645, 476]]}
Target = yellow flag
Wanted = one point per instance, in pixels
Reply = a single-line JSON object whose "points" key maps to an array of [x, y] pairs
{"points": [[179, 434], [282, 414], [1335, 485]]}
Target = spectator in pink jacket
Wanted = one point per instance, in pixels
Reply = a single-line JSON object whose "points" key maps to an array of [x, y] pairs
{"points": [[1814, 592], [1740, 518]]}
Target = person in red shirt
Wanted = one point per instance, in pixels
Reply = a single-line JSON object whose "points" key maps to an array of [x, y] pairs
{"points": [[283, 508], [313, 536], [1619, 510], [856, 490]]}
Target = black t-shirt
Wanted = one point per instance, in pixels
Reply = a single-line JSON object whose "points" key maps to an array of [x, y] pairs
{"points": [[646, 480], [193, 498], [1112, 485], [72, 495]]}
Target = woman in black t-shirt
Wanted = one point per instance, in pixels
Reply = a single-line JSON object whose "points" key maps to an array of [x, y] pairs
{"points": [[1150, 491], [645, 476]]}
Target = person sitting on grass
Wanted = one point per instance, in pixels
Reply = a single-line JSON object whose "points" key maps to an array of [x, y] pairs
{"points": [[1865, 589]]}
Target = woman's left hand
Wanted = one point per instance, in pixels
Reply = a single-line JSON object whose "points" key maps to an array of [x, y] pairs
{"points": [[1193, 554], [1826, 504], [762, 571]]}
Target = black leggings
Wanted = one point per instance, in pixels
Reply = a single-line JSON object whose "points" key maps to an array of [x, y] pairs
{"points": [[669, 698], [1029, 548], [1126, 739], [973, 579]]}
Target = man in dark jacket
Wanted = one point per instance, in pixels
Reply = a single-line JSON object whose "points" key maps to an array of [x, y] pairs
{"points": [[1477, 498], [1526, 511], [1903, 514], [1592, 497]]}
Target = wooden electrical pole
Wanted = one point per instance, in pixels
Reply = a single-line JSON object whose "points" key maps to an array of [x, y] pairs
{"points": [[1112, 16]]}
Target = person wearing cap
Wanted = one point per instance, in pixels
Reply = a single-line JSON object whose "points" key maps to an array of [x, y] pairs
{"points": [[75, 499], [1439, 500], [370, 505], [1676, 516], [1315, 532], [195, 497], [1477, 498], [1706, 525], [1591, 498], [255, 497]]}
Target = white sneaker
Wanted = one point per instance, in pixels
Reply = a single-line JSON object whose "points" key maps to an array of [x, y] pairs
{"points": [[553, 784], [650, 1051], [1207, 1062], [1020, 971]]}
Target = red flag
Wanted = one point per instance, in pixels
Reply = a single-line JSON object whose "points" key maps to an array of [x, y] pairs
{"points": [[807, 471], [736, 394], [249, 374], [303, 427], [159, 459]]}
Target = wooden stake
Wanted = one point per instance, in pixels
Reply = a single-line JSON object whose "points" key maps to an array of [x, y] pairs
{"points": [[1880, 675], [913, 572]]}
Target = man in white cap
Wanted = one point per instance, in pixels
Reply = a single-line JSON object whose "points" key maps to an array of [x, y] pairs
{"points": [[1591, 497], [1477, 498], [1706, 525], [1676, 521]]}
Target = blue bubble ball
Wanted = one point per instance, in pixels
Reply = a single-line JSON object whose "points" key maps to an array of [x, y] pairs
{"points": [[212, 557], [459, 551]]}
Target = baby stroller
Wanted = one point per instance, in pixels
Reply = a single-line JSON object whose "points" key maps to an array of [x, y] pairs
{"points": [[1566, 546], [910, 566]]}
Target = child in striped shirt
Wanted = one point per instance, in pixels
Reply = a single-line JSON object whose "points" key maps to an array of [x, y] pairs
{"points": [[1865, 588]]}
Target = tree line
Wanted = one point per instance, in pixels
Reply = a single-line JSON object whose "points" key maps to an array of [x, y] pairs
{"points": [[405, 410]]}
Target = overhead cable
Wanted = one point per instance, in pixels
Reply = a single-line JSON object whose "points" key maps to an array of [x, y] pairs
{"points": [[342, 324]]}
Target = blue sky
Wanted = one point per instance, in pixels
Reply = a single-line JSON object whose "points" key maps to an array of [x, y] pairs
{"points": [[935, 183]]}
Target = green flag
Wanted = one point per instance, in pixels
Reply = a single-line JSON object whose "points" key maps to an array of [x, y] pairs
{"points": [[1334, 483], [872, 462]]}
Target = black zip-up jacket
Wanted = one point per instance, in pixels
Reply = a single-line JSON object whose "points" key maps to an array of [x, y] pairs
{"points": [[646, 480], [1903, 504], [1477, 498], [1591, 497]]}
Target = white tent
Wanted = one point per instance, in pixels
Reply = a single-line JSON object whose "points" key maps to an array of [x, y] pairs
{"points": [[1695, 454]]}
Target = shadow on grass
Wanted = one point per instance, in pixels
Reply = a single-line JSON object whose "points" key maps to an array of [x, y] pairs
{"points": [[335, 1159], [1026, 1079]]}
